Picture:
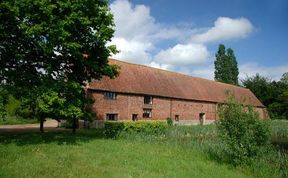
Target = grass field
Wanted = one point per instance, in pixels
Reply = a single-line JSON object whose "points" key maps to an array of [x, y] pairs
{"points": [[85, 155], [180, 152]]}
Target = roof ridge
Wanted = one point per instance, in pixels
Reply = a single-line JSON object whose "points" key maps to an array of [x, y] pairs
{"points": [[169, 71]]}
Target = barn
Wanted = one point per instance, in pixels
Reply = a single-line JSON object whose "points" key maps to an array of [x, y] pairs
{"points": [[145, 93]]}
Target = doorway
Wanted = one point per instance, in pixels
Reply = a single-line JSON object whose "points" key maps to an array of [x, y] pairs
{"points": [[134, 117], [202, 118]]}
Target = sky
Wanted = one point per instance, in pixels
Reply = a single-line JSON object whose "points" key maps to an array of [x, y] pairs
{"points": [[183, 36]]}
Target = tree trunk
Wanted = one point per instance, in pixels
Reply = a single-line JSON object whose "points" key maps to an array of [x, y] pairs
{"points": [[42, 125], [74, 125]]}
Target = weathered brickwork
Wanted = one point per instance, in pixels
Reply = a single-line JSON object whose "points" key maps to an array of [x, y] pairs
{"points": [[126, 105]]}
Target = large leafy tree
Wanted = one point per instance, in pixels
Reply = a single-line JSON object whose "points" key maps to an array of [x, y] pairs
{"points": [[273, 94], [260, 86], [226, 67], [43, 43]]}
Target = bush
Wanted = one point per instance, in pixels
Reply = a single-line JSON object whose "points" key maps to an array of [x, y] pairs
{"points": [[13, 106], [169, 121], [242, 130], [3, 112], [3, 101], [113, 129]]}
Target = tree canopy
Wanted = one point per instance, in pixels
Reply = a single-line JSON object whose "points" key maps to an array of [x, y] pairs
{"points": [[226, 67], [55, 38], [49, 50], [273, 94]]}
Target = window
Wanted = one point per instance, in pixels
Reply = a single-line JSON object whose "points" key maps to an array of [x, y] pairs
{"points": [[147, 113], [112, 117], [176, 117], [110, 95], [147, 99]]}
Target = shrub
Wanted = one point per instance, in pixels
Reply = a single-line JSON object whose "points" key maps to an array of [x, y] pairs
{"points": [[13, 106], [3, 102], [3, 112], [169, 121], [113, 129], [242, 130]]}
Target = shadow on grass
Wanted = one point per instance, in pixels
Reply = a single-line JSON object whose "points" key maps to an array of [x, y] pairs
{"points": [[63, 137]]}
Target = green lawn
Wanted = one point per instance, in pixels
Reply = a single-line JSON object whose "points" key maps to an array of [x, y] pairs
{"points": [[85, 155], [181, 152]]}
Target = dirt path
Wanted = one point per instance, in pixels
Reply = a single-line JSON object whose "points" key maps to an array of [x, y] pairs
{"points": [[48, 126]]}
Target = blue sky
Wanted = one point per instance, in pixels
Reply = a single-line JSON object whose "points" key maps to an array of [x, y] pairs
{"points": [[184, 37]]}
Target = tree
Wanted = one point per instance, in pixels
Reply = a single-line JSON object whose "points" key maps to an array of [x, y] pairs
{"points": [[234, 66], [284, 78], [260, 86], [46, 42], [274, 95], [67, 101], [226, 67]]}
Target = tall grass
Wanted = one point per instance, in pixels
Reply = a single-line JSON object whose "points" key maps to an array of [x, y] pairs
{"points": [[270, 162], [279, 130]]}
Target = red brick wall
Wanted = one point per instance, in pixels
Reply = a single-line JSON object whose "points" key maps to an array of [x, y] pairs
{"points": [[126, 105], [189, 110]]}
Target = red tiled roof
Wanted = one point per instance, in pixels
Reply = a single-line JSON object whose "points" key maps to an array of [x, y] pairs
{"points": [[140, 79]]}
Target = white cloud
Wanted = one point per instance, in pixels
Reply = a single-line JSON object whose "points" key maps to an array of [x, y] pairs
{"points": [[273, 72], [225, 28], [136, 32], [160, 66], [132, 22], [138, 36], [183, 54], [248, 69], [204, 72], [134, 26], [132, 51]]}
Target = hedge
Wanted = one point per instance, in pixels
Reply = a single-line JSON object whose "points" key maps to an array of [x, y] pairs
{"points": [[113, 129]]}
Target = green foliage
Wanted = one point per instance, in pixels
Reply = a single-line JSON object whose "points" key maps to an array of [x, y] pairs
{"points": [[274, 95], [3, 94], [13, 106], [66, 101], [279, 131], [63, 39], [51, 49], [49, 104], [12, 120], [169, 121], [242, 130], [114, 129], [226, 67], [284, 78]]}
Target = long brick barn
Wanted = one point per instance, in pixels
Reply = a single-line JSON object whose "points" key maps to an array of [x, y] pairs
{"points": [[145, 93]]}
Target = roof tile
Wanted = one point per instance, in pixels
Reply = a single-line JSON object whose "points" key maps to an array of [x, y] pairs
{"points": [[140, 79]]}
